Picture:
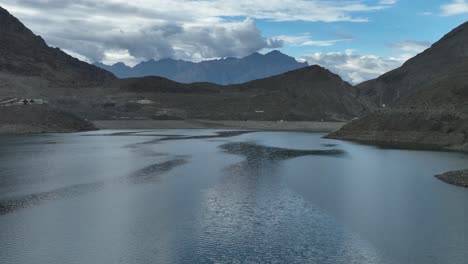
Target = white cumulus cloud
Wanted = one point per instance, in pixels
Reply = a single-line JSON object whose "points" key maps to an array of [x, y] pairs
{"points": [[352, 67], [307, 40], [456, 7], [388, 2], [356, 68], [410, 46], [181, 29]]}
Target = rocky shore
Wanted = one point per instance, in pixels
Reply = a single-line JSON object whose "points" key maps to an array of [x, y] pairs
{"points": [[459, 178], [413, 129], [33, 119], [409, 128]]}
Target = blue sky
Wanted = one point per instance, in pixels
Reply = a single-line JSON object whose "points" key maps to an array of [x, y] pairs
{"points": [[358, 39], [404, 21]]}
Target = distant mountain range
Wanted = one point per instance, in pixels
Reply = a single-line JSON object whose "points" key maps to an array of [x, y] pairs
{"points": [[31, 69], [222, 71]]}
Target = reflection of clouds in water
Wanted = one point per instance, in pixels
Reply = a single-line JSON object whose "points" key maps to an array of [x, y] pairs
{"points": [[251, 217]]}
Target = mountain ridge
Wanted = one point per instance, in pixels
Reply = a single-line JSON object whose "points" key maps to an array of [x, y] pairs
{"points": [[438, 72], [220, 71], [423, 104], [310, 93], [23, 53]]}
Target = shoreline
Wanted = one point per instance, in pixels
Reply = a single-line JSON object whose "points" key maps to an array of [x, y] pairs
{"points": [[401, 144], [457, 178], [304, 126], [40, 119]]}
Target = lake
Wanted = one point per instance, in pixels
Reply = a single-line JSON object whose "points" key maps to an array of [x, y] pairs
{"points": [[210, 196]]}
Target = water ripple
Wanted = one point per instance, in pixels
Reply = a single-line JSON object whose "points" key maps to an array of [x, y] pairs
{"points": [[145, 175]]}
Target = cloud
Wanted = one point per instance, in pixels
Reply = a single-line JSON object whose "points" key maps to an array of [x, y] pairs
{"points": [[356, 68], [159, 39], [182, 29], [388, 2], [456, 7], [278, 10], [307, 40], [426, 13], [410, 46], [352, 67]]}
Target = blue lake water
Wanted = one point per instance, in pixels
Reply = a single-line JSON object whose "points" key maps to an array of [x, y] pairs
{"points": [[201, 196]]}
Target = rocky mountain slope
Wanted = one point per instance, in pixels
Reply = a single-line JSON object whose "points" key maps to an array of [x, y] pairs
{"points": [[40, 119], [311, 93], [435, 78], [222, 71], [426, 100], [429, 129], [29, 67], [24, 54]]}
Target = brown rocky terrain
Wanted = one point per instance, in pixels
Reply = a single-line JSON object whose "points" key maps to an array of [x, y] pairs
{"points": [[40, 119]]}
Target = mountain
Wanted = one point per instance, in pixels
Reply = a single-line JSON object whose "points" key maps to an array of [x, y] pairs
{"points": [[31, 69], [119, 69], [28, 67], [437, 77], [310, 93], [426, 100], [222, 71], [24, 54]]}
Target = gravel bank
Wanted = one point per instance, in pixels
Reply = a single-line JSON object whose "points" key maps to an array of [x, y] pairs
{"points": [[208, 124], [420, 129], [459, 178]]}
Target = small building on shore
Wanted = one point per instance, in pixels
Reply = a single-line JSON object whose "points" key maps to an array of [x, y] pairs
{"points": [[22, 101]]}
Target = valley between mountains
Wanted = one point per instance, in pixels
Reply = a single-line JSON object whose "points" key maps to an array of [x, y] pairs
{"points": [[422, 104]]}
